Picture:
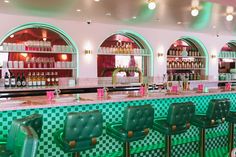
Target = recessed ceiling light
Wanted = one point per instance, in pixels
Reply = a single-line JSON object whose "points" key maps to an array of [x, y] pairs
{"points": [[6, 1], [108, 14], [78, 10], [194, 12], [134, 17], [151, 4], [179, 22], [96, 0], [229, 17]]}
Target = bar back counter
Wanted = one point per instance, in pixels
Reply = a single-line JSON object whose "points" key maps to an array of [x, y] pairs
{"points": [[54, 113]]}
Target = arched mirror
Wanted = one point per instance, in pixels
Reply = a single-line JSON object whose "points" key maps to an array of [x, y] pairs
{"points": [[124, 58], [40, 53], [186, 59]]}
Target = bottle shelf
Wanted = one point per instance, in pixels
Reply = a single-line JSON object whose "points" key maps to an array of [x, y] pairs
{"points": [[39, 68], [51, 52], [185, 68], [170, 56], [124, 54]]}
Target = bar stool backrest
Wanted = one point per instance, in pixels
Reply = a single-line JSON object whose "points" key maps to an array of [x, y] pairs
{"points": [[83, 125], [218, 109], [26, 143], [180, 113], [34, 120], [138, 118]]}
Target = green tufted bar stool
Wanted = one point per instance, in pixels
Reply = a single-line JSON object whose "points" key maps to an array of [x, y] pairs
{"points": [[25, 144], [231, 118], [177, 121], [80, 132], [135, 126], [216, 113], [35, 121]]}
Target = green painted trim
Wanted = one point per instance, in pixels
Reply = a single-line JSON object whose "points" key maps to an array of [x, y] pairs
{"points": [[55, 29], [141, 42], [201, 47]]}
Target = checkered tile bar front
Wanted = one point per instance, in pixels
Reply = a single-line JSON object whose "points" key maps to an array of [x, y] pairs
{"points": [[151, 146]]}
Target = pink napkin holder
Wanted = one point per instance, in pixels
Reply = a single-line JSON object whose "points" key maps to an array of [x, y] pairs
{"points": [[50, 95], [100, 92], [200, 88], [228, 86], [174, 89]]}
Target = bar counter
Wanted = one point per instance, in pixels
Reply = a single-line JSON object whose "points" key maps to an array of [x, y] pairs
{"points": [[54, 112]]}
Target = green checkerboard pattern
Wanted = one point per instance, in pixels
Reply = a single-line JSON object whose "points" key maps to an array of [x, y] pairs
{"points": [[153, 145]]}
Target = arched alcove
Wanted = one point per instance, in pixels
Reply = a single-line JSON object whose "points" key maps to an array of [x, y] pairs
{"points": [[187, 57], [39, 48], [125, 54], [226, 61]]}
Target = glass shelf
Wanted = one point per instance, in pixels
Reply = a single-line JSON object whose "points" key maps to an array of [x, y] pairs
{"points": [[51, 52], [124, 54]]}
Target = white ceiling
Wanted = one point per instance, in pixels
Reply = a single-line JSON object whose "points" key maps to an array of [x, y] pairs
{"points": [[167, 14]]}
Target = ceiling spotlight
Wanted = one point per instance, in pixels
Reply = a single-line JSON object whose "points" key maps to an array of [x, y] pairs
{"points": [[194, 11], [96, 0], [151, 4], [78, 10], [229, 13], [229, 17], [134, 17], [6, 1]]}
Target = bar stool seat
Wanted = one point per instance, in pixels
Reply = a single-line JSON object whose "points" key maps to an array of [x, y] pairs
{"points": [[135, 126], [231, 118], [176, 122], [79, 132], [216, 114], [35, 121]]}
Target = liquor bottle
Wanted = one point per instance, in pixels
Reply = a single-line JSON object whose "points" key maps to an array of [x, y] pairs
{"points": [[56, 79], [23, 80], [6, 80], [34, 79], [48, 81], [38, 79], [52, 79], [29, 80], [18, 81], [43, 79], [13, 80]]}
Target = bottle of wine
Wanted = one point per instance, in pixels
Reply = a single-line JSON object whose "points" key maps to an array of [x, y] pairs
{"points": [[43, 79], [33, 78], [30, 83], [18, 81], [6, 80], [13, 80], [23, 80], [56, 79], [38, 79]]}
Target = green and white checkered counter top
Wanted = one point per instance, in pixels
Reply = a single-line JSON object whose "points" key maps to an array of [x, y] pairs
{"points": [[54, 113]]}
